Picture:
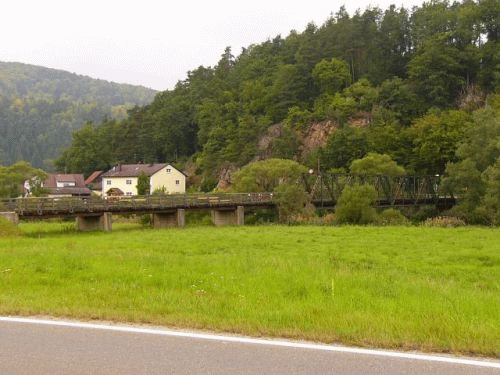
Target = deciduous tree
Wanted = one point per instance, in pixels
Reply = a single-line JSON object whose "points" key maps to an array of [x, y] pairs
{"points": [[355, 205], [143, 184], [374, 164], [266, 175], [13, 177]]}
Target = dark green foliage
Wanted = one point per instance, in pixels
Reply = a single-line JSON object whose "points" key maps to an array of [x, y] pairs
{"points": [[489, 208], [41, 107], [374, 164], [435, 71], [145, 220], [344, 146], [287, 145], [474, 177], [13, 177], [355, 205], [464, 180], [387, 136], [395, 96], [331, 75], [143, 184], [436, 137], [262, 216], [266, 175], [292, 200], [208, 184], [392, 216], [424, 213], [93, 148]]}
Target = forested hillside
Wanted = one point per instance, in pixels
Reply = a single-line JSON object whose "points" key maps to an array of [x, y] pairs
{"points": [[41, 107], [409, 83]]}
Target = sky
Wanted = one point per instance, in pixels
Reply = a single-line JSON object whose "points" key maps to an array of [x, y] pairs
{"points": [[152, 43]]}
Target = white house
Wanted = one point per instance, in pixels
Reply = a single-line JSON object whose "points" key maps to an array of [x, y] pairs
{"points": [[121, 180]]}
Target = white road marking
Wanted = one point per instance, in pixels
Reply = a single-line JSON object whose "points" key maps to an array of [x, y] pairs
{"points": [[248, 340]]}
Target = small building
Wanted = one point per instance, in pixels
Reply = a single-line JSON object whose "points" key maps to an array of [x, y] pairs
{"points": [[122, 179], [66, 185], [94, 182]]}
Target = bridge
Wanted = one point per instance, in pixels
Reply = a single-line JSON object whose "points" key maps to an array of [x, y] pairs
{"points": [[391, 191], [166, 210], [228, 208]]}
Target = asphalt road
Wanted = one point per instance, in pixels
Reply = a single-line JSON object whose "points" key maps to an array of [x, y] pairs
{"points": [[34, 346]]}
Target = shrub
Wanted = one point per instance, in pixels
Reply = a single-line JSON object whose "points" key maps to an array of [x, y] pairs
{"points": [[261, 216], [292, 200], [355, 205], [391, 216], [160, 191], [327, 219], [145, 219], [198, 218], [444, 221], [208, 184], [424, 213]]}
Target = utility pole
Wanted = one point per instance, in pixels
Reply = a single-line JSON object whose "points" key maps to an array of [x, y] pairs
{"points": [[320, 178]]}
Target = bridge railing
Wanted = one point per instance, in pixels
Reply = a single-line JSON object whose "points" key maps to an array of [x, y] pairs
{"points": [[69, 205]]}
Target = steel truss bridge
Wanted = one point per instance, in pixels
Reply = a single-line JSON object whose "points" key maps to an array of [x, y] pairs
{"points": [[391, 191]]}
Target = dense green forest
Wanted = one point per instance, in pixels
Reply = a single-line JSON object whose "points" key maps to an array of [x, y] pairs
{"points": [[402, 82], [40, 108]]}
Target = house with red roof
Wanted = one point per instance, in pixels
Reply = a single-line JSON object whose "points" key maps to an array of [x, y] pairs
{"points": [[94, 182], [66, 185]]}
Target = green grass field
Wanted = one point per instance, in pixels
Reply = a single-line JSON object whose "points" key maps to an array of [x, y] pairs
{"points": [[430, 289]]}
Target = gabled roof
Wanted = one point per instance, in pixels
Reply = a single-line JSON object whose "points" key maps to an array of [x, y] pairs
{"points": [[93, 177], [53, 179], [78, 188], [134, 170]]}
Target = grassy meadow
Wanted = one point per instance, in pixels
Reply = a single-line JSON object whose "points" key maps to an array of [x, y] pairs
{"points": [[430, 289]]}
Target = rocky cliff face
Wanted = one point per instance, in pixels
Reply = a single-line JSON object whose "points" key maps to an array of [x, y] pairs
{"points": [[315, 136]]}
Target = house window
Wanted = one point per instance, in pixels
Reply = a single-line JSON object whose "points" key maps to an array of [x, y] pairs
{"points": [[108, 182], [169, 170], [177, 182], [129, 193], [129, 182], [65, 184]]}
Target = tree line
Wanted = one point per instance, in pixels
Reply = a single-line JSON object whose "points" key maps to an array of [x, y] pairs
{"points": [[41, 107]]}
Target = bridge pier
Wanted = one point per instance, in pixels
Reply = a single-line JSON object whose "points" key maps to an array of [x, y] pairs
{"points": [[13, 217], [95, 222], [175, 218], [234, 216]]}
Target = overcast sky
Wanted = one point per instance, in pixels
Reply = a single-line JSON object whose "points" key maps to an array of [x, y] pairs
{"points": [[152, 43]]}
